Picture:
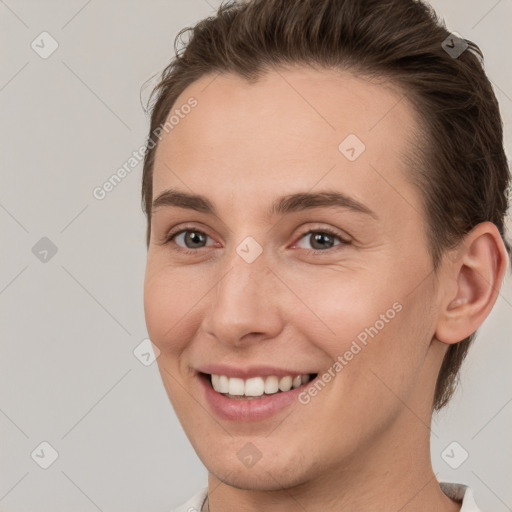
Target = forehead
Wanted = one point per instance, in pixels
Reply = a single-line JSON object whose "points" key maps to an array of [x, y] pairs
{"points": [[288, 130]]}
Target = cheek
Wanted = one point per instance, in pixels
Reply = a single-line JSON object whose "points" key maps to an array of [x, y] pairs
{"points": [[170, 297], [379, 334], [343, 307], [388, 369]]}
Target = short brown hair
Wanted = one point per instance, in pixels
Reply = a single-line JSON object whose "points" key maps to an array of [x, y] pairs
{"points": [[459, 166]]}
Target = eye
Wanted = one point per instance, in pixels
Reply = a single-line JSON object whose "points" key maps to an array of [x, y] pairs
{"points": [[322, 239], [188, 238]]}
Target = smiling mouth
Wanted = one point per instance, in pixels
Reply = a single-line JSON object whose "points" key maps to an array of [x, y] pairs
{"points": [[256, 387]]}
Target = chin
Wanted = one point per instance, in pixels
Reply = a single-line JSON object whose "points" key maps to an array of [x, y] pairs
{"points": [[268, 472], [257, 479]]}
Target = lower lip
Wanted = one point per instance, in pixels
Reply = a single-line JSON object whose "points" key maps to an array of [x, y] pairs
{"points": [[247, 410]]}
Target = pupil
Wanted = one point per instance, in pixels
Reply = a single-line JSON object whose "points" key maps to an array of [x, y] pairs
{"points": [[321, 237], [194, 238]]}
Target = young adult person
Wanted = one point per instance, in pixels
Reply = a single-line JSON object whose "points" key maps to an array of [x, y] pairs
{"points": [[325, 186]]}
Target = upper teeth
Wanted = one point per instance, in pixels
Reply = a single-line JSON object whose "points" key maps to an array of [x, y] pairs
{"points": [[256, 386]]}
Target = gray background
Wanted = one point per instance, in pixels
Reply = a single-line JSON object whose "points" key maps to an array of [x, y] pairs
{"points": [[69, 325]]}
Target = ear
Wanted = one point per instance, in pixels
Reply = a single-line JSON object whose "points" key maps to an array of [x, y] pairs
{"points": [[473, 274]]}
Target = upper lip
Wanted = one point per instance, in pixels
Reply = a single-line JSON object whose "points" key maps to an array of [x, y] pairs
{"points": [[249, 371]]}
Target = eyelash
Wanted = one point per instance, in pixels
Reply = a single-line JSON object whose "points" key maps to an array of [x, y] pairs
{"points": [[170, 238]]}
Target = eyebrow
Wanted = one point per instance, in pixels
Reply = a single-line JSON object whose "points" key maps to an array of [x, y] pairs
{"points": [[282, 205]]}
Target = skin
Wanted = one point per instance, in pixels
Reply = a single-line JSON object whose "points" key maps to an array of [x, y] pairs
{"points": [[363, 442]]}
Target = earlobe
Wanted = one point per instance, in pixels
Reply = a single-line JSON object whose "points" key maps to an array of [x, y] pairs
{"points": [[476, 275]]}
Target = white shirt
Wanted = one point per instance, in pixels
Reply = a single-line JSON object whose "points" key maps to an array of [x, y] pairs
{"points": [[458, 492]]}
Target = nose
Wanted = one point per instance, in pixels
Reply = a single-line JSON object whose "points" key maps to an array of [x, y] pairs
{"points": [[244, 304]]}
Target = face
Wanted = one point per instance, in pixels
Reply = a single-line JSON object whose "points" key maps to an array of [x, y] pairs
{"points": [[306, 256]]}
